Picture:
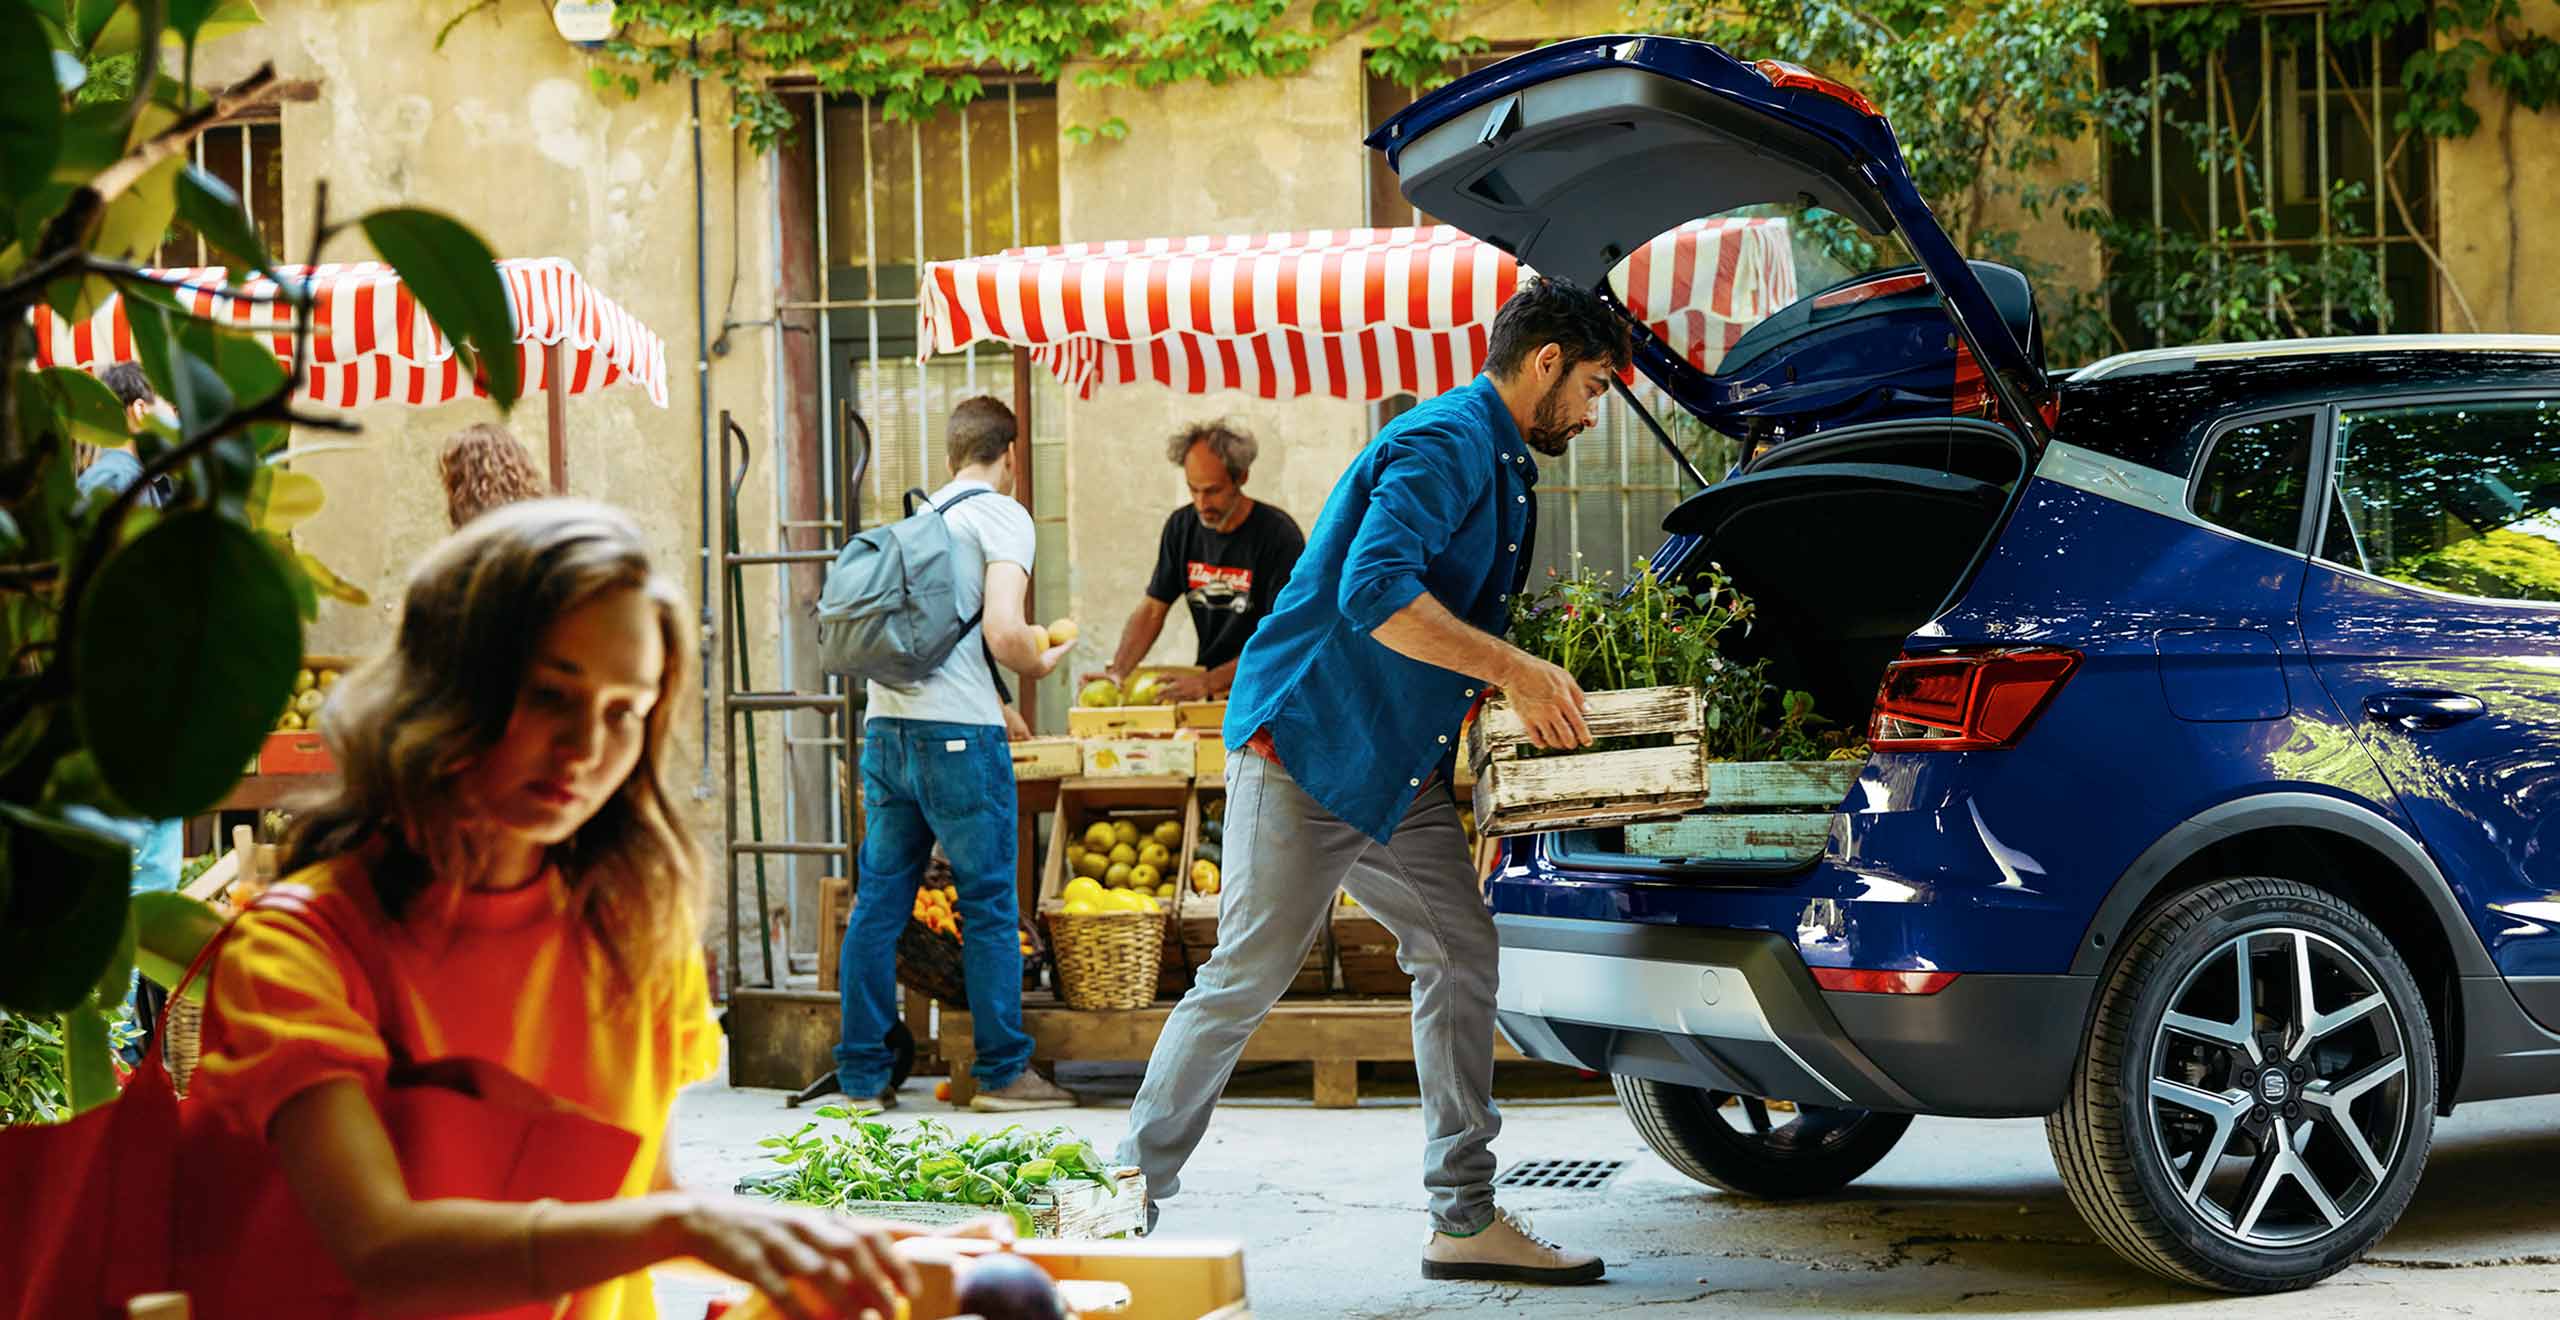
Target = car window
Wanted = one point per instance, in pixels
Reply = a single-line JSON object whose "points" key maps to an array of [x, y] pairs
{"points": [[2459, 496], [2254, 477]]}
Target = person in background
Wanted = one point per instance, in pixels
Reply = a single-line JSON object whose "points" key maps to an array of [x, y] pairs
{"points": [[504, 843], [483, 465], [1225, 555], [936, 769], [157, 853], [1345, 709]]}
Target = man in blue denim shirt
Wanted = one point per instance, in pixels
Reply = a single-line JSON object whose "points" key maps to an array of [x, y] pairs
{"points": [[1345, 707], [936, 769]]}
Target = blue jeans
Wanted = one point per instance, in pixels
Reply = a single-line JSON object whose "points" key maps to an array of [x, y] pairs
{"points": [[924, 781]]}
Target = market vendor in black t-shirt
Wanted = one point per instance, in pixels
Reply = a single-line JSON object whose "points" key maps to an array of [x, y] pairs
{"points": [[1224, 554]]}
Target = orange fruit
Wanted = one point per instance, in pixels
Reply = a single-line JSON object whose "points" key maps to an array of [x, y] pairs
{"points": [[942, 1090]]}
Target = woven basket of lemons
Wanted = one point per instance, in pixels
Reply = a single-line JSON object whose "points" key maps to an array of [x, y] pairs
{"points": [[1106, 945]]}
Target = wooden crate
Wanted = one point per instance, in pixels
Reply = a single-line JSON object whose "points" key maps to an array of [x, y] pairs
{"points": [[1047, 758], [1523, 794], [1126, 1279], [1113, 721], [835, 908], [1366, 951], [1139, 757], [1082, 801], [1747, 817], [1209, 760], [1207, 715]]}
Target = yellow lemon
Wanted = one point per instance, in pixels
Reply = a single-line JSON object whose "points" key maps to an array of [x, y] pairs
{"points": [[1208, 886], [1081, 907], [1081, 887], [1098, 836]]}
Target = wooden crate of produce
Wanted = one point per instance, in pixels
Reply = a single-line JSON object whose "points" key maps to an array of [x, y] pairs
{"points": [[1197, 921], [1073, 1209], [1366, 951], [1144, 803], [1520, 791], [1113, 721], [1047, 758], [1139, 757], [1209, 716], [1757, 811], [1209, 759]]}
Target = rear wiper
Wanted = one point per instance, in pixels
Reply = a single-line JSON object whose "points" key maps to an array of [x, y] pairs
{"points": [[1658, 433]]}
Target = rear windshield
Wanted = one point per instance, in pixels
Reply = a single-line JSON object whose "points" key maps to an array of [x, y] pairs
{"points": [[1704, 284]]}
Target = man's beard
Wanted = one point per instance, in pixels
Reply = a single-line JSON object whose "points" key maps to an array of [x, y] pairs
{"points": [[1556, 423]]}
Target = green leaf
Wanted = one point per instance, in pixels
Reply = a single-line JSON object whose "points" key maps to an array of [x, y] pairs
{"points": [[170, 929], [214, 209], [66, 909], [188, 382], [188, 647], [30, 102], [454, 277], [187, 17], [88, 1066], [86, 405], [91, 19], [136, 222]]}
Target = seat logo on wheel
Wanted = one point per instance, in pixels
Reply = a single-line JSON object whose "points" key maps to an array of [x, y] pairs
{"points": [[2271, 1086]]}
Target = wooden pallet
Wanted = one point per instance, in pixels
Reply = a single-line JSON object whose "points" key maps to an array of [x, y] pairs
{"points": [[1517, 792], [1336, 1035]]}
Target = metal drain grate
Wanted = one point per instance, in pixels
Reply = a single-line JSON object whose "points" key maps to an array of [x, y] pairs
{"points": [[1561, 1175]]}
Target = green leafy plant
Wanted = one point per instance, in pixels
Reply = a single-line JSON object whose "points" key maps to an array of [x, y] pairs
{"points": [[145, 652], [1643, 633], [917, 60], [865, 1159]]}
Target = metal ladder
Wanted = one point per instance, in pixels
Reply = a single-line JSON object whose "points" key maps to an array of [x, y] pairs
{"points": [[836, 703]]}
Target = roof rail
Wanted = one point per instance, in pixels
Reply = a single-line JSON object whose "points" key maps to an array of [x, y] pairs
{"points": [[2149, 360]]}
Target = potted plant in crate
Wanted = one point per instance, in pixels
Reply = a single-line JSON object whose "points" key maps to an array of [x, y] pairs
{"points": [[1670, 713]]}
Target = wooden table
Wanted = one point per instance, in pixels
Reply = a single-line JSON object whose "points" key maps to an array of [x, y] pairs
{"points": [[1335, 1034]]}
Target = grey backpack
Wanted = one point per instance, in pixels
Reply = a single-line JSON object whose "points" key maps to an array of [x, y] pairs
{"points": [[889, 610]]}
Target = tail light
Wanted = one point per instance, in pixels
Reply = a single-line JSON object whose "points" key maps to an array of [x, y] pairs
{"points": [[1875, 981], [1973, 702], [1782, 74], [1886, 287]]}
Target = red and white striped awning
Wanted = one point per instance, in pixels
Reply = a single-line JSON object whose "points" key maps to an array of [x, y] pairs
{"points": [[372, 343], [1353, 313]]}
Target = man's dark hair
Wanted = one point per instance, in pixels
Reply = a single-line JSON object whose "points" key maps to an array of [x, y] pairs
{"points": [[1543, 311], [130, 385], [981, 430]]}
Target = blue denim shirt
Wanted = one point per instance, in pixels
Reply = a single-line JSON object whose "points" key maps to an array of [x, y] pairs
{"points": [[1441, 501]]}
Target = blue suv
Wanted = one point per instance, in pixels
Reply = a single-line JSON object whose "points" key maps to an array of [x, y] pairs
{"points": [[2213, 697]]}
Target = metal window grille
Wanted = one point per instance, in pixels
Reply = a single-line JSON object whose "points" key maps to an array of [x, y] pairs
{"points": [[248, 155], [2307, 113]]}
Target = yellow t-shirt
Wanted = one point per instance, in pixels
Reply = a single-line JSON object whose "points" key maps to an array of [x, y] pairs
{"points": [[506, 976]]}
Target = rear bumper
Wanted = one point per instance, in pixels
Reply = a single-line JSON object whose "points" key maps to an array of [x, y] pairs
{"points": [[1733, 1010]]}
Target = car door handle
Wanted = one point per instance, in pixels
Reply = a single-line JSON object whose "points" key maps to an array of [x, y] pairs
{"points": [[2415, 711]]}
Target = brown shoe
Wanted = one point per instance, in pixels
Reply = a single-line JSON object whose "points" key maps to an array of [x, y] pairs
{"points": [[1027, 1092], [1505, 1251]]}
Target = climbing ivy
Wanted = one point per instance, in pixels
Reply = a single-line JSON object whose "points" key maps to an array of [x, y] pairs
{"points": [[915, 60]]}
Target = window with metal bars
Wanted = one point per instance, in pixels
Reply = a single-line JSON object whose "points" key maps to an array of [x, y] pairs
{"points": [[248, 155], [2245, 154]]}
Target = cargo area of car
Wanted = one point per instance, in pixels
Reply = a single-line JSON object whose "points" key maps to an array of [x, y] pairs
{"points": [[1846, 543]]}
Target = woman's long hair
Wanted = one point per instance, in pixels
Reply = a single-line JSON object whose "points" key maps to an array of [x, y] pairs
{"points": [[406, 724]]}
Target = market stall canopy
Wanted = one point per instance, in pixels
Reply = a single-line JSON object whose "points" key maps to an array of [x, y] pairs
{"points": [[372, 343], [1357, 314]]}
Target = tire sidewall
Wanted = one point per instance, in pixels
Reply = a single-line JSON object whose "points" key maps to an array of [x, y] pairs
{"points": [[2162, 972]]}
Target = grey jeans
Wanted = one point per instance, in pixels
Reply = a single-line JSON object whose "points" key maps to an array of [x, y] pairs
{"points": [[1285, 857]]}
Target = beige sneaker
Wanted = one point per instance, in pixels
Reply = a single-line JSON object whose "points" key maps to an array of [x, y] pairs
{"points": [[1029, 1091], [1505, 1251]]}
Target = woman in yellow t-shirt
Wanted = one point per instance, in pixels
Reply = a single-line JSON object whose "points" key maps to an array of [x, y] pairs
{"points": [[504, 833]]}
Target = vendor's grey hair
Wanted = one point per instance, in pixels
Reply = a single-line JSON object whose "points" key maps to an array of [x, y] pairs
{"points": [[1233, 445]]}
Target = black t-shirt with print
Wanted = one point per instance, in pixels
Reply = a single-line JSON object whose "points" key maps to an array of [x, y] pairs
{"points": [[1231, 579]]}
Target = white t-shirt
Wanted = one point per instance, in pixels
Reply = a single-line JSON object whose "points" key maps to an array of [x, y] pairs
{"points": [[986, 530]]}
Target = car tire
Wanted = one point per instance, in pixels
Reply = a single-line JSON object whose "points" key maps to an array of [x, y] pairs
{"points": [[2326, 1153], [1816, 1153]]}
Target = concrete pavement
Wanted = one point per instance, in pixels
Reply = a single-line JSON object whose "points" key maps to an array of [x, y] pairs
{"points": [[1964, 1217]]}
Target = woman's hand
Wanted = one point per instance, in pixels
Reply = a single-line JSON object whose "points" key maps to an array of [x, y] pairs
{"points": [[813, 1265]]}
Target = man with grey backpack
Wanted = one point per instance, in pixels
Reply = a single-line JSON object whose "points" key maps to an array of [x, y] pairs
{"points": [[918, 609]]}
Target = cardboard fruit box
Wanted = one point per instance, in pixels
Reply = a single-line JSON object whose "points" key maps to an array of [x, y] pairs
{"points": [[1047, 758], [1106, 758]]}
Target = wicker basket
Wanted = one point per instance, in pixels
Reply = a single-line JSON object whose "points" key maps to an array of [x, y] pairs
{"points": [[1106, 959], [929, 961]]}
